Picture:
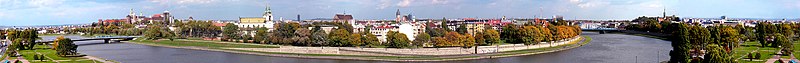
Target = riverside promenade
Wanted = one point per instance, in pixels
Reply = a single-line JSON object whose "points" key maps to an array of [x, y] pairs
{"points": [[413, 52]]}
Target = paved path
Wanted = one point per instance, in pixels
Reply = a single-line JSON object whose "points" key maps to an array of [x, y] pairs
{"points": [[98, 59], [22, 60], [416, 51]]}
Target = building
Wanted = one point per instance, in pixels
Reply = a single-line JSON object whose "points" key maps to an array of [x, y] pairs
{"points": [[403, 18], [343, 18], [250, 23]]}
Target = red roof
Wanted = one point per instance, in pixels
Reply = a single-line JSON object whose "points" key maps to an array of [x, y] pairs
{"points": [[219, 24]]}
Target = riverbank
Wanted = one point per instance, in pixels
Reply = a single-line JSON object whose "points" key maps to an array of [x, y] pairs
{"points": [[568, 45], [51, 57]]}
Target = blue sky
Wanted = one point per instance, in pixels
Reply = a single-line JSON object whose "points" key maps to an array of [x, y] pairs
{"points": [[53, 12]]}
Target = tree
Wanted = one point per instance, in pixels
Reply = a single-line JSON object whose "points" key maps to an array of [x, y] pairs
{"points": [[421, 39], [444, 25], [285, 31], [462, 29], [785, 43], [302, 37], [762, 31], [355, 40], [454, 39], [467, 40], [492, 37], [530, 35], [261, 35], [64, 46], [371, 40], [480, 39], [509, 34], [680, 44], [14, 46], [339, 37], [729, 37], [319, 38], [397, 40], [717, 55], [29, 37], [230, 32]]}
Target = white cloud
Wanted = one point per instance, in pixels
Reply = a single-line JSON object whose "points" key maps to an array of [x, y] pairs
{"points": [[184, 2], [384, 4], [45, 3], [575, 1], [593, 4], [440, 1], [404, 3]]}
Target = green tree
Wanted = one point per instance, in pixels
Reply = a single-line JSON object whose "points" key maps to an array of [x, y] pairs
{"points": [[421, 39], [784, 43], [462, 29], [371, 40], [680, 43], [763, 29], [717, 54], [319, 38], [230, 32], [397, 40], [303, 37], [444, 25], [261, 35], [509, 34], [64, 46]]}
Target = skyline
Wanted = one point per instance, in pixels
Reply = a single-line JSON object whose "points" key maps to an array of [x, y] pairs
{"points": [[55, 12]]}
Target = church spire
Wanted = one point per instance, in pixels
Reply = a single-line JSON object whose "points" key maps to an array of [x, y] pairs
{"points": [[398, 12], [268, 13]]}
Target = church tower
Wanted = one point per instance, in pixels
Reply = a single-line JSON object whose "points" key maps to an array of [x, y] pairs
{"points": [[268, 13]]}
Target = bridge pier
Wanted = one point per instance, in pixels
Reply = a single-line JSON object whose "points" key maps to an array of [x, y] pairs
{"points": [[106, 40], [602, 32]]}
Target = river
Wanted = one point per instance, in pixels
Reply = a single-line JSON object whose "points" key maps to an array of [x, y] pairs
{"points": [[604, 48]]}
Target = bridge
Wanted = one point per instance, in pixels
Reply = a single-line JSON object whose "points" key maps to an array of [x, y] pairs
{"points": [[601, 26], [107, 39]]}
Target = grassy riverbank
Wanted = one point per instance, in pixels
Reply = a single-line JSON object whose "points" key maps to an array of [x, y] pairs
{"points": [[220, 46], [51, 56]]}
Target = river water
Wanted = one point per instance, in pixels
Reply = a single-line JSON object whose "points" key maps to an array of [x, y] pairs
{"points": [[604, 48]]}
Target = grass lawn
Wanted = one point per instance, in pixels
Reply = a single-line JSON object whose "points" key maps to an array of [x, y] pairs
{"points": [[747, 47], [201, 44], [44, 49]]}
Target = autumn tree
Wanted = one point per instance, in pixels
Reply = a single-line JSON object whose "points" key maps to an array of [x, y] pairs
{"points": [[339, 37], [355, 40], [492, 37]]}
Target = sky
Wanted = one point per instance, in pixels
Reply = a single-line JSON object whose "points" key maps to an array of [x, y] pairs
{"points": [[55, 12]]}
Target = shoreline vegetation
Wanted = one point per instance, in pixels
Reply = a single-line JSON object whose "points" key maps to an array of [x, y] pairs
{"points": [[221, 46]]}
